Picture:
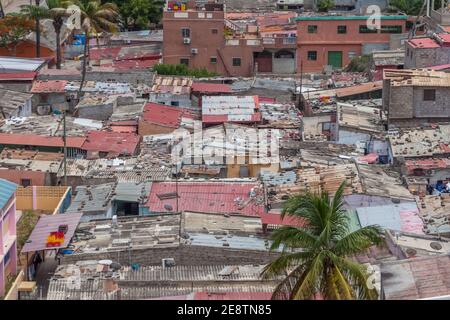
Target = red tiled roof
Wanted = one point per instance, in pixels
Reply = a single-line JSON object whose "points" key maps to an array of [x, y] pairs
{"points": [[211, 197], [211, 87], [164, 115], [49, 86], [39, 141], [233, 295], [17, 76], [111, 142], [426, 43], [275, 219]]}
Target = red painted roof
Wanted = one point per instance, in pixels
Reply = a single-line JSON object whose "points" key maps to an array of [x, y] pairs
{"points": [[210, 197], [39, 141], [17, 76], [440, 67], [128, 129], [267, 99], [427, 164], [275, 219], [111, 142], [49, 86], [369, 158], [164, 115], [233, 296], [426, 43], [211, 87], [221, 118], [104, 53], [445, 38], [38, 238]]}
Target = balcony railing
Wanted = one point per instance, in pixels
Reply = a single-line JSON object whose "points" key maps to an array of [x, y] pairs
{"points": [[279, 42]]}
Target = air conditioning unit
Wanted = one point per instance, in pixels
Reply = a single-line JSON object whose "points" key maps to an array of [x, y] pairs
{"points": [[168, 263], [194, 51], [186, 40]]}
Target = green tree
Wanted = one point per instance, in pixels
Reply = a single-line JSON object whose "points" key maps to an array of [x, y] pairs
{"points": [[315, 258], [13, 30], [138, 14], [35, 12], [409, 7], [325, 5], [57, 13], [95, 18]]}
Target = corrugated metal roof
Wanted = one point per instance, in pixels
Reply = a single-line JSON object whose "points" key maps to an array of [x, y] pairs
{"points": [[52, 86], [217, 109], [211, 197], [22, 64], [39, 141], [164, 115], [7, 189], [233, 296], [276, 220], [47, 224], [211, 87], [401, 217], [18, 76], [113, 142]]}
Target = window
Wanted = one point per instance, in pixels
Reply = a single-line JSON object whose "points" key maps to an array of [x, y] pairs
{"points": [[25, 182], [312, 55], [213, 60], [312, 29], [352, 55], [214, 31], [391, 29], [7, 257], [429, 95], [175, 103], [186, 33], [365, 29], [184, 61], [342, 29], [236, 62]]}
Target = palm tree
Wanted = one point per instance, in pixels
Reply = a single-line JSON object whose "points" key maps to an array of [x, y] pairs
{"points": [[95, 17], [57, 13], [315, 258], [35, 12]]}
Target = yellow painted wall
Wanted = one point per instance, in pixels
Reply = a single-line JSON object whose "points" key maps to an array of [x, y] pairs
{"points": [[47, 198]]}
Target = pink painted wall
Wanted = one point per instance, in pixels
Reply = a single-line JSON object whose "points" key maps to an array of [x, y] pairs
{"points": [[8, 229]]}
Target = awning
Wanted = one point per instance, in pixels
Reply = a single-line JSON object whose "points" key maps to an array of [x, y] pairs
{"points": [[43, 237]]}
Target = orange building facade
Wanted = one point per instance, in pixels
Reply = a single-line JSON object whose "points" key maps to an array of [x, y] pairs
{"points": [[335, 40]]}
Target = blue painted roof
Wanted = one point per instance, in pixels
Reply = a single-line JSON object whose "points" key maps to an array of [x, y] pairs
{"points": [[7, 189]]}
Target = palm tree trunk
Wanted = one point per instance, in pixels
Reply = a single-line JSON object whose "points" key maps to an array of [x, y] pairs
{"points": [[38, 33], [2, 12], [58, 46], [83, 72], [38, 38]]}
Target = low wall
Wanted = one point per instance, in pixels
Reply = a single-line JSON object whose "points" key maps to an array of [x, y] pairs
{"points": [[47, 199]]}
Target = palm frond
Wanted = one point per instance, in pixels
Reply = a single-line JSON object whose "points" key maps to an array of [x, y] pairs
{"points": [[358, 241]]}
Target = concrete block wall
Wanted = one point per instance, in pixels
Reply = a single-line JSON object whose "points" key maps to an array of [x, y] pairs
{"points": [[183, 255]]}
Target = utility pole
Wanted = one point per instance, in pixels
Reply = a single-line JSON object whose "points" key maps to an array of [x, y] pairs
{"points": [[65, 147], [2, 12], [300, 100]]}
